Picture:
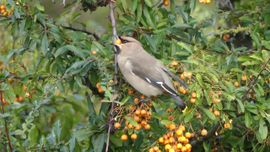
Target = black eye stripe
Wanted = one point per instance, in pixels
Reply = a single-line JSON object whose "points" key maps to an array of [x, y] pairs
{"points": [[123, 41]]}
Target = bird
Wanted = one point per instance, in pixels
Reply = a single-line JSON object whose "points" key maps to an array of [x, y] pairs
{"points": [[143, 71]]}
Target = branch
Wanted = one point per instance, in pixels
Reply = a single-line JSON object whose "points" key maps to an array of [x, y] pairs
{"points": [[115, 72], [5, 121], [81, 30], [252, 83]]}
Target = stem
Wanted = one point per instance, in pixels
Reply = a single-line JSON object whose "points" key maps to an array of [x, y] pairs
{"points": [[5, 121], [112, 18], [252, 83]]}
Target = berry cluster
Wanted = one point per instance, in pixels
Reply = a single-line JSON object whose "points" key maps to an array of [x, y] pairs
{"points": [[4, 11], [138, 118], [176, 140]]}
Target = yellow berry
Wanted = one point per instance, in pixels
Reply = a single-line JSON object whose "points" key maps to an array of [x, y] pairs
{"points": [[204, 132], [124, 137], [134, 136], [188, 135], [179, 132], [117, 125]]}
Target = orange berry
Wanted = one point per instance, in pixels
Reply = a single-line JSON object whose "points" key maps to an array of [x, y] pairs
{"points": [[117, 125], [192, 100], [216, 113], [138, 127], [156, 148], [193, 95], [188, 135], [130, 91], [172, 126], [2, 7], [166, 2], [98, 85], [171, 117], [236, 84], [143, 112], [124, 137], [226, 37], [151, 150], [174, 63], [147, 127], [136, 118], [204, 132], [130, 126], [143, 123], [94, 52], [182, 77], [4, 102], [181, 127], [100, 90], [134, 136], [216, 100], [136, 101], [138, 112], [244, 77], [182, 90], [189, 75], [227, 125], [142, 96]]}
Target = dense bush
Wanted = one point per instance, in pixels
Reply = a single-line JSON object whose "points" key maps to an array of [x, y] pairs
{"points": [[57, 82]]}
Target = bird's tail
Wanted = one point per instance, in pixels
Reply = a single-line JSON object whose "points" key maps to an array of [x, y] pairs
{"points": [[179, 102]]}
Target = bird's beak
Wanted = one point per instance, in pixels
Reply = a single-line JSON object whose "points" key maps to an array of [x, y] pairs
{"points": [[118, 43]]}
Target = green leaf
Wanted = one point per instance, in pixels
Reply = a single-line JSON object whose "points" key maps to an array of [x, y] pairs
{"points": [[98, 142], [241, 106], [248, 120], [131, 121], [33, 135], [209, 114], [44, 44], [263, 130], [148, 17]]}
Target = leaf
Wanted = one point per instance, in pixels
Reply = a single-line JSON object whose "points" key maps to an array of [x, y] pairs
{"points": [[98, 142], [241, 106], [44, 44], [209, 114], [131, 120], [148, 17], [72, 143], [248, 120], [33, 135], [185, 46], [263, 130]]}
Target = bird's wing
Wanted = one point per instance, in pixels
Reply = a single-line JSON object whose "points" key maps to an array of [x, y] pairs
{"points": [[153, 74]]}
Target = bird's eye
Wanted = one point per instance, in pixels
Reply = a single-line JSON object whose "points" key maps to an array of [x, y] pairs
{"points": [[123, 40]]}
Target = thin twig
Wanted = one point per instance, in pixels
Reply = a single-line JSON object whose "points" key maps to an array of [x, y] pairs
{"points": [[5, 121], [252, 83], [115, 73], [81, 30]]}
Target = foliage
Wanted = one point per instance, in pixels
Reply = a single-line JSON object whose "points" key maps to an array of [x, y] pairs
{"points": [[57, 81]]}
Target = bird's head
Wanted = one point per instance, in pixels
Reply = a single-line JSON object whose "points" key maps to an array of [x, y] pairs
{"points": [[126, 43]]}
